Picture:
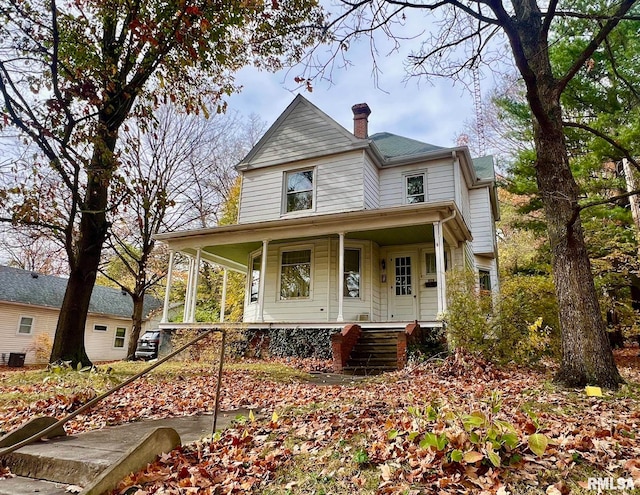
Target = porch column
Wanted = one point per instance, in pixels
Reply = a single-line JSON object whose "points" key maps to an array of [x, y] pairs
{"points": [[223, 303], [440, 273], [194, 287], [340, 277], [187, 292], [263, 273], [165, 309]]}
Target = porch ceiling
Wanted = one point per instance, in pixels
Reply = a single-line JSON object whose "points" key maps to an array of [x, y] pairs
{"points": [[396, 236], [230, 246]]}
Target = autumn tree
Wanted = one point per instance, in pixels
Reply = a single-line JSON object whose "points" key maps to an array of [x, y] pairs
{"points": [[71, 74], [463, 36], [177, 172]]}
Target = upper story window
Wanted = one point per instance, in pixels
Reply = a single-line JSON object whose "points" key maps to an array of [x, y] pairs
{"points": [[299, 190], [256, 266], [295, 274], [415, 188], [26, 325], [99, 328], [351, 273]]}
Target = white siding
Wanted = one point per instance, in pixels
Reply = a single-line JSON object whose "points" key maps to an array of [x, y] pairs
{"points": [[462, 194], [304, 133], [322, 305], [371, 185], [484, 263], [338, 187], [482, 224], [440, 182], [99, 345]]}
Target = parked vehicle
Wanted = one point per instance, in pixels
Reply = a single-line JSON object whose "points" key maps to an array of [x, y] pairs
{"points": [[148, 345]]}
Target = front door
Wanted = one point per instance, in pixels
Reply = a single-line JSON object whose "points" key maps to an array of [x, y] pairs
{"points": [[402, 287]]}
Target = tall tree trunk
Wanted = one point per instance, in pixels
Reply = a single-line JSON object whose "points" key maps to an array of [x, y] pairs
{"points": [[68, 344], [586, 354], [136, 326]]}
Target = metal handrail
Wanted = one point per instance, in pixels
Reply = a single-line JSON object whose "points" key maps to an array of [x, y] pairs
{"points": [[94, 401]]}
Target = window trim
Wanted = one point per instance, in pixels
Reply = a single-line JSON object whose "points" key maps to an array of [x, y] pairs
{"points": [[252, 257], [423, 270], [285, 193], [116, 337], [106, 327], [289, 249], [33, 323], [487, 271], [405, 186]]}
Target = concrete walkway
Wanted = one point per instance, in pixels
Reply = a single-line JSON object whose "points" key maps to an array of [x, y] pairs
{"points": [[80, 459]]}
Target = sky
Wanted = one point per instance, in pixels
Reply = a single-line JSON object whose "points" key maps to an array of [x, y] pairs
{"points": [[429, 111]]}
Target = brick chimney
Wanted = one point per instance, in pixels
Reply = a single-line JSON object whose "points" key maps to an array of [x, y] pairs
{"points": [[361, 112]]}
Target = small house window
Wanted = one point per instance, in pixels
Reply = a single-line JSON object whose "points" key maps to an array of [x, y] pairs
{"points": [[485, 280], [415, 189], [299, 190], [295, 274], [26, 325], [430, 266], [351, 273], [256, 265], [100, 328], [121, 332]]}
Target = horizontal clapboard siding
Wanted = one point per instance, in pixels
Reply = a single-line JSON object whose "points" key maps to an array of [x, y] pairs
{"points": [[338, 187], [440, 182], [371, 185], [304, 133], [482, 224], [323, 304], [99, 344]]}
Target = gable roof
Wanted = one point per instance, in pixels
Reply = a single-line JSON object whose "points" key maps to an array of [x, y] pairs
{"points": [[302, 131], [394, 146], [25, 287]]}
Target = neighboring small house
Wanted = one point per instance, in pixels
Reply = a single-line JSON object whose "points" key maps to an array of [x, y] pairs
{"points": [[337, 227], [30, 304]]}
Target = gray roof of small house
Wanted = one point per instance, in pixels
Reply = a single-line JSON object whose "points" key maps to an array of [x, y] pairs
{"points": [[25, 287]]}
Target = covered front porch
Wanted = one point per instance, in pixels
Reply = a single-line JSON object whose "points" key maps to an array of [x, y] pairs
{"points": [[381, 267]]}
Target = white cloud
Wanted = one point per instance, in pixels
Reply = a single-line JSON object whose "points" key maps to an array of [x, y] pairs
{"points": [[434, 112]]}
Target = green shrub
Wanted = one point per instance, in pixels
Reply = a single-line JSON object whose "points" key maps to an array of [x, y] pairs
{"points": [[520, 325]]}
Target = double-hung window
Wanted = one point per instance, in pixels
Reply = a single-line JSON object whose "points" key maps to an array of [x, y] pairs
{"points": [[299, 186], [295, 274], [415, 188], [26, 325], [118, 342], [485, 280], [256, 266], [352, 273]]}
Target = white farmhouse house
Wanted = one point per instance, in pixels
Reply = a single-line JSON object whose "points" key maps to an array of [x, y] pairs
{"points": [[337, 227]]}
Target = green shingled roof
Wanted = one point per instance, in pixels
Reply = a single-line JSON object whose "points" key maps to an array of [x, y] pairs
{"points": [[25, 287], [484, 167], [393, 146]]}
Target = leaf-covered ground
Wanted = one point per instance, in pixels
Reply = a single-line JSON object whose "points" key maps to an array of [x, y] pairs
{"points": [[458, 426]]}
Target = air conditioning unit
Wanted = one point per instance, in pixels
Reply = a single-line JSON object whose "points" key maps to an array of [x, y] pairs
{"points": [[363, 317]]}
